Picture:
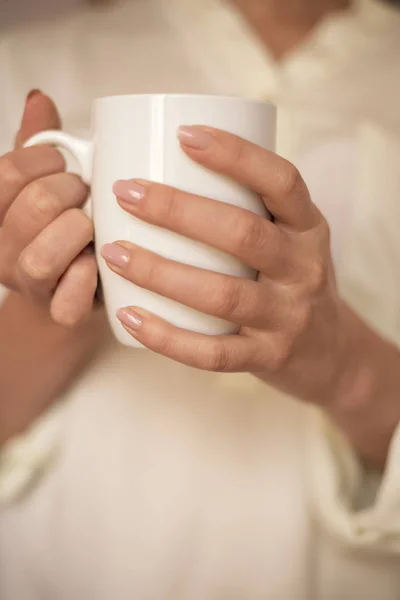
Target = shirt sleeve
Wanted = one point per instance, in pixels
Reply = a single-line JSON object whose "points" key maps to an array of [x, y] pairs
{"points": [[360, 508], [25, 458]]}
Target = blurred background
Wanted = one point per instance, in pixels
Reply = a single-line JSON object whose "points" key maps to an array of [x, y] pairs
{"points": [[15, 12]]}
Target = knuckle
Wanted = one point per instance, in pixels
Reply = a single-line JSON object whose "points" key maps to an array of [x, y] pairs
{"points": [[71, 184], [10, 174], [84, 273], [148, 270], [91, 270], [167, 209], [317, 277], [40, 200], [32, 269], [325, 233], [74, 302], [63, 315], [291, 180], [229, 299], [58, 161], [238, 153], [69, 311], [249, 233], [218, 360], [162, 344], [281, 356]]}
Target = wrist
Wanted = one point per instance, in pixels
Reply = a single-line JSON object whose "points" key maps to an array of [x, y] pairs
{"points": [[365, 397], [39, 360], [352, 381]]}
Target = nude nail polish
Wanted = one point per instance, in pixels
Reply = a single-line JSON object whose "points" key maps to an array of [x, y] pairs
{"points": [[115, 255], [130, 318], [195, 137], [129, 191]]}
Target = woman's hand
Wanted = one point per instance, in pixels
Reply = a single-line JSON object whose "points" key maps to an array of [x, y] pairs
{"points": [[52, 276], [292, 321], [44, 233]]}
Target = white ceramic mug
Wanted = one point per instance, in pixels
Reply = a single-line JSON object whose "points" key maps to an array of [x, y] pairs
{"points": [[135, 136]]}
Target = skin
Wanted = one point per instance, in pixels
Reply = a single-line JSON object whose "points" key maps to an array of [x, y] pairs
{"points": [[284, 24], [48, 330], [296, 333]]}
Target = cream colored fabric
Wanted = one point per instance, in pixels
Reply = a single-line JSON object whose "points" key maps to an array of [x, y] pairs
{"points": [[201, 488], [336, 479], [25, 457]]}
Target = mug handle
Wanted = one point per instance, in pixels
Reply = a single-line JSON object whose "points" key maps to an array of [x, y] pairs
{"points": [[81, 150]]}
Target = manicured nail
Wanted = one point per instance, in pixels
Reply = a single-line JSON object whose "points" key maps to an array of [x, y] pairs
{"points": [[195, 137], [129, 191], [130, 318], [32, 94], [115, 255]]}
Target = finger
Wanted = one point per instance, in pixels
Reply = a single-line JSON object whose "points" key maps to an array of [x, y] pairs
{"points": [[230, 298], [274, 178], [38, 205], [226, 353], [35, 208], [21, 167], [73, 298], [45, 260], [255, 241], [40, 114]]}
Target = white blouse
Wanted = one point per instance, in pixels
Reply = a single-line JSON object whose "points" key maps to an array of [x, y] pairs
{"points": [[196, 485]]}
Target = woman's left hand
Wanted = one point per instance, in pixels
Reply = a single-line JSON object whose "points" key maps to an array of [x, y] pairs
{"points": [[292, 320]]}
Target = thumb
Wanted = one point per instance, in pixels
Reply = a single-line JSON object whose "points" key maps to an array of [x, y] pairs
{"points": [[40, 114]]}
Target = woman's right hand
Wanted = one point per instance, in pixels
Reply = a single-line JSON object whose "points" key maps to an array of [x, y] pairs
{"points": [[44, 233]]}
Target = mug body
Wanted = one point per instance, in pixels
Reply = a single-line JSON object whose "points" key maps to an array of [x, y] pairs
{"points": [[135, 137]]}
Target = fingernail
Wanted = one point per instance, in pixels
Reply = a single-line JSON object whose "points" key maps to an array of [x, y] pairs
{"points": [[129, 190], [115, 255], [32, 94], [195, 137], [130, 318]]}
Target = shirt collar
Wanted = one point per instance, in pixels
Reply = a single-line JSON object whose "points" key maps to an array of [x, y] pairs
{"points": [[228, 42], [333, 54]]}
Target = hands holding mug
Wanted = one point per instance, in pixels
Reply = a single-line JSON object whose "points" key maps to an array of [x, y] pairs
{"points": [[179, 276], [291, 319], [186, 288]]}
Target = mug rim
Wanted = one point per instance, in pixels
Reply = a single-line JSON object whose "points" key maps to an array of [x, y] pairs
{"points": [[105, 99]]}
